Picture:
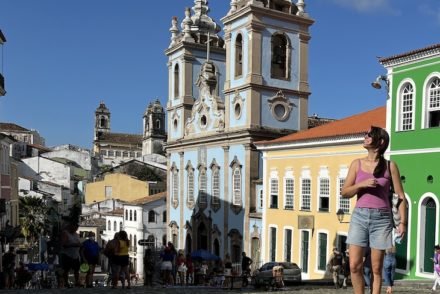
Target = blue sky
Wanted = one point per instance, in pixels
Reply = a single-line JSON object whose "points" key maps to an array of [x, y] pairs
{"points": [[63, 57]]}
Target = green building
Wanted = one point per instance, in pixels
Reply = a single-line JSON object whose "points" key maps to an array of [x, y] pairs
{"points": [[413, 120]]}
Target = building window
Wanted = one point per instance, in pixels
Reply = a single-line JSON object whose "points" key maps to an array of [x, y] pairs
{"points": [[324, 194], [126, 214], [434, 103], [114, 226], [238, 55], [109, 226], [118, 153], [158, 124], [261, 198], [132, 154], [305, 194], [407, 107], [288, 245], [120, 226], [344, 203], [288, 192], [236, 179], [131, 215], [305, 235], [103, 152], [164, 216], [125, 154], [280, 57], [108, 192], [176, 81], [135, 216], [175, 186], [273, 243], [215, 186], [111, 153], [151, 216], [203, 184], [273, 193], [322, 251]]}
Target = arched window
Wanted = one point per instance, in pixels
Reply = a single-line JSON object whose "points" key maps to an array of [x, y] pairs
{"points": [[190, 186], [280, 57], [238, 55], [135, 215], [120, 226], [158, 124], [174, 184], [131, 215], [215, 186], [109, 226], [176, 81], [114, 226], [236, 182], [103, 122], [434, 103], [151, 216], [406, 107], [164, 216], [134, 242], [203, 183], [126, 214]]}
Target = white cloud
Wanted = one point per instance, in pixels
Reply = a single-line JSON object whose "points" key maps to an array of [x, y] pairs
{"points": [[366, 5]]}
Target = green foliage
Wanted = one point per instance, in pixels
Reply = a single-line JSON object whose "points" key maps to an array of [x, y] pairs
{"points": [[143, 173], [34, 217]]}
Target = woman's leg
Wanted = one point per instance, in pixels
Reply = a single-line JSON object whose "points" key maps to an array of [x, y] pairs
{"points": [[356, 268], [377, 266]]}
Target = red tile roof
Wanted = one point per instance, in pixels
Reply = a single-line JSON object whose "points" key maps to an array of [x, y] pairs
{"points": [[120, 138], [150, 198], [385, 59], [352, 125], [12, 127]]}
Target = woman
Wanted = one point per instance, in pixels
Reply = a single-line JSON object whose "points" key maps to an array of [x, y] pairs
{"points": [[122, 260], [70, 257], [371, 222]]}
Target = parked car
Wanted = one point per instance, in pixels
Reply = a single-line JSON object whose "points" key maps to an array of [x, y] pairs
{"points": [[264, 277]]}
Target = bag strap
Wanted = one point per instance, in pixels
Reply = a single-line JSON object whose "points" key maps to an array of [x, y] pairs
{"points": [[391, 176]]}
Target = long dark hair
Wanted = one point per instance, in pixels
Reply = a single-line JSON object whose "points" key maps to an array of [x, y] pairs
{"points": [[380, 140]]}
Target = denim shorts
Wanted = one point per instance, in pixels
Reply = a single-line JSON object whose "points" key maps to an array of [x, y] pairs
{"points": [[371, 227]]}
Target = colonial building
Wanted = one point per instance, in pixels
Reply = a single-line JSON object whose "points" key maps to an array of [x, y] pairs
{"points": [[114, 148], [304, 215], [223, 96], [413, 120], [21, 134]]}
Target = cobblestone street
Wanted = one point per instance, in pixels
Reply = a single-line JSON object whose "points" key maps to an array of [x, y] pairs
{"points": [[409, 287]]}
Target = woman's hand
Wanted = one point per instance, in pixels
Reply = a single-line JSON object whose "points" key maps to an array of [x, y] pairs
{"points": [[401, 230], [369, 183]]}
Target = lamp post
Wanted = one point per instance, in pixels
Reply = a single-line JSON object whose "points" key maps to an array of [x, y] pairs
{"points": [[340, 214], [377, 84]]}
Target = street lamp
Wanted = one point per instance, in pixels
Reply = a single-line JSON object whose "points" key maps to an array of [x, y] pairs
{"points": [[340, 214], [377, 84]]}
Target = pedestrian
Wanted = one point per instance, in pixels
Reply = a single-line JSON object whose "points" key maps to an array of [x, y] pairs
{"points": [[245, 264], [110, 252], [368, 277], [181, 268], [228, 270], [166, 266], [346, 268], [371, 222], [90, 251], [173, 262], [69, 253], [190, 270], [336, 266], [436, 260], [122, 260], [389, 268], [148, 268], [8, 261]]}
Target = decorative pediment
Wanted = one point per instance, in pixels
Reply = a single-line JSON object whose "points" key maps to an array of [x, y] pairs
{"points": [[173, 224], [216, 231], [235, 162], [188, 227], [214, 164], [189, 166], [280, 106]]}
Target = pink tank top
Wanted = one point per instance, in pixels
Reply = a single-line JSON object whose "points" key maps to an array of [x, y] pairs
{"points": [[373, 197]]}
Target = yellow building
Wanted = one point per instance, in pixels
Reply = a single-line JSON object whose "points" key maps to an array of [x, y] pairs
{"points": [[304, 216], [116, 186]]}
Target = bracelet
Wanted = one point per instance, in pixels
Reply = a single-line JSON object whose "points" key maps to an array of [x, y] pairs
{"points": [[403, 223]]}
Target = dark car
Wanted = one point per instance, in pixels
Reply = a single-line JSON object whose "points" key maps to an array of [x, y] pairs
{"points": [[264, 277]]}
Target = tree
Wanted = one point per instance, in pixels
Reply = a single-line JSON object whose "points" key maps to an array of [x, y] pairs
{"points": [[34, 213]]}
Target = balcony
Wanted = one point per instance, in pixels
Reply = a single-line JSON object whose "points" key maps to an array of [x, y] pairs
{"points": [[2, 85]]}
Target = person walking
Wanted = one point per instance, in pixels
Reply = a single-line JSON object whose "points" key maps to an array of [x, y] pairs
{"points": [[90, 251], [436, 260], [148, 268], [389, 268], [122, 261], [69, 253], [8, 261], [336, 266], [190, 270], [371, 222], [181, 268], [110, 252]]}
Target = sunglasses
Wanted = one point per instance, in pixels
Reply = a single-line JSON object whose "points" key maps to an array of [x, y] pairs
{"points": [[368, 134]]}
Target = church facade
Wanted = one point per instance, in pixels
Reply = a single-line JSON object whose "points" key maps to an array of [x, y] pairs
{"points": [[115, 148], [224, 95]]}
